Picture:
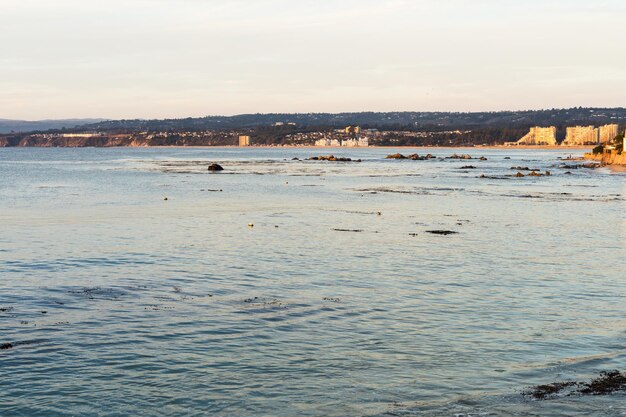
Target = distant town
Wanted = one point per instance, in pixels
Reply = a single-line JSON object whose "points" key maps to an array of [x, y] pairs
{"points": [[555, 127]]}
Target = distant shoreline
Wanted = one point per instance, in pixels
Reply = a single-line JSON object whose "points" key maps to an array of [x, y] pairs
{"points": [[498, 147], [537, 147]]}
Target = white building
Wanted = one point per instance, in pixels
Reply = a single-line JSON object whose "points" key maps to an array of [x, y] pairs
{"points": [[539, 136], [608, 132], [581, 135]]}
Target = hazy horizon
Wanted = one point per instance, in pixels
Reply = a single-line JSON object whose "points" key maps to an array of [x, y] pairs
{"points": [[295, 113], [176, 59]]}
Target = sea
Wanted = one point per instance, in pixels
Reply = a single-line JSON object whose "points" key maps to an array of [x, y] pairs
{"points": [[135, 282]]}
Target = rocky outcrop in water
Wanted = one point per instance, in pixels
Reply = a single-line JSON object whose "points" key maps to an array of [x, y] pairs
{"points": [[520, 168], [332, 158], [465, 156], [455, 156], [607, 383], [413, 157], [442, 232]]}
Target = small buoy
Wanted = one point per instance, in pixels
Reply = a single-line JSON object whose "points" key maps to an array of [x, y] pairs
{"points": [[379, 213], [250, 225], [165, 199]]}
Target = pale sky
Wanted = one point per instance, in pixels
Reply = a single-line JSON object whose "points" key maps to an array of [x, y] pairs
{"points": [[179, 58]]}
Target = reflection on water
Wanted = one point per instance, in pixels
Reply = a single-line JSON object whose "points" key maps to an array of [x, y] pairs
{"points": [[338, 301]]}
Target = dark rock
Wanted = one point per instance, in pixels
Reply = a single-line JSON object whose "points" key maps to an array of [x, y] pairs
{"points": [[525, 169], [590, 166], [6, 346], [442, 232], [455, 156], [519, 175], [215, 167], [413, 157], [468, 167], [494, 177], [608, 383], [541, 392], [331, 158], [295, 159], [507, 157]]}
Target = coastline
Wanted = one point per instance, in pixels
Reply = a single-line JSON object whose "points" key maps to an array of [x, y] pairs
{"points": [[500, 147], [586, 148], [611, 159]]}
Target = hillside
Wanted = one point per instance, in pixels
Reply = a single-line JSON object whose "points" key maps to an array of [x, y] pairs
{"points": [[8, 126], [410, 120]]}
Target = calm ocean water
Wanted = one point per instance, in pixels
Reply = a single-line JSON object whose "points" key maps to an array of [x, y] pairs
{"points": [[119, 302]]}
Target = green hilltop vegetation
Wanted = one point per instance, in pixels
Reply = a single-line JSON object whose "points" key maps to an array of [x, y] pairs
{"points": [[387, 120]]}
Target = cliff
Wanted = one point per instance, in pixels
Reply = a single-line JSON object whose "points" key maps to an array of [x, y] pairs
{"points": [[129, 140], [608, 157]]}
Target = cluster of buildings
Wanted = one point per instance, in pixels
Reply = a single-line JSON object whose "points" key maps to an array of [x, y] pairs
{"points": [[576, 135], [585, 135], [350, 137]]}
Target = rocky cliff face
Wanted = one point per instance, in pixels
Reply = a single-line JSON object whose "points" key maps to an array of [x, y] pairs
{"points": [[608, 158], [51, 141]]}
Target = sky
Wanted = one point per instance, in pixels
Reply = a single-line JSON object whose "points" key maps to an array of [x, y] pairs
{"points": [[189, 58]]}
